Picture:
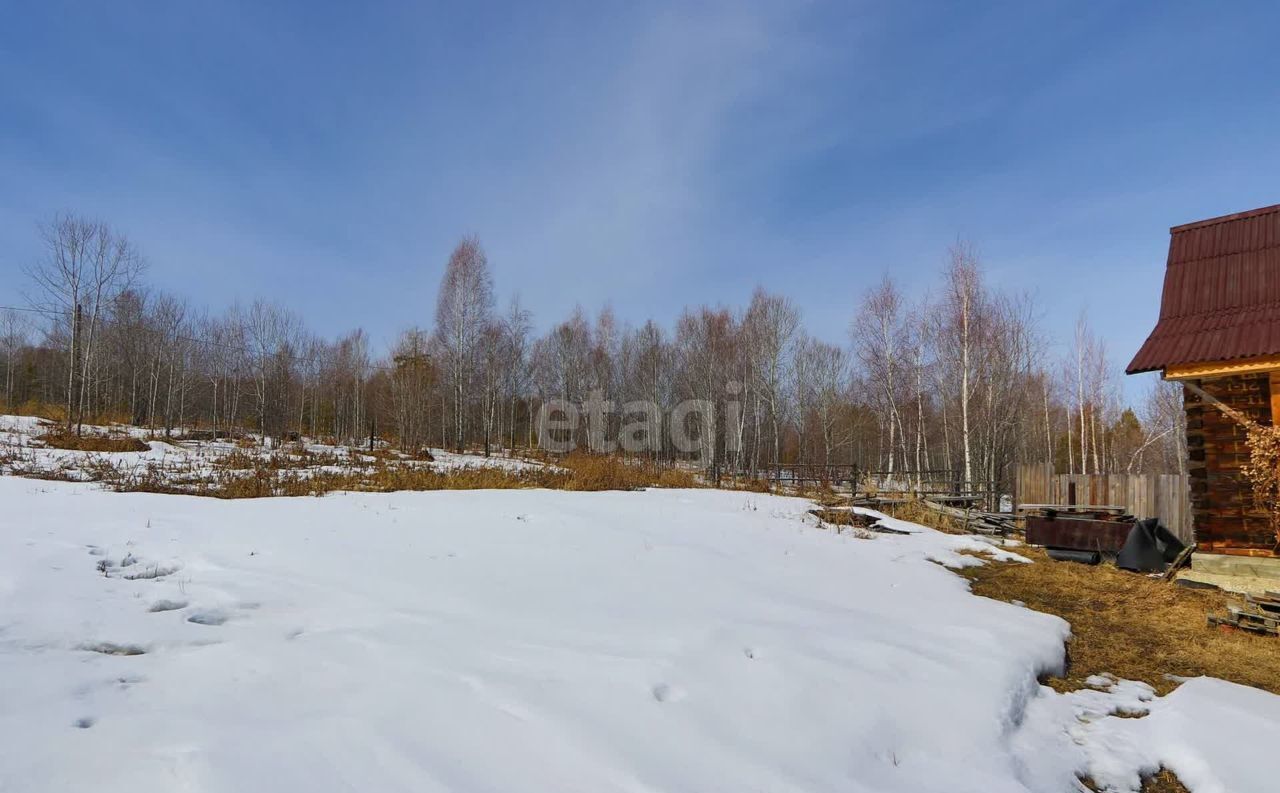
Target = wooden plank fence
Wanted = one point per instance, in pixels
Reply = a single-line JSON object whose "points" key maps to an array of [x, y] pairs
{"points": [[1163, 496]]}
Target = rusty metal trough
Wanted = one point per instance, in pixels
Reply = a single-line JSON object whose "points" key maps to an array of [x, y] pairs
{"points": [[1077, 534]]}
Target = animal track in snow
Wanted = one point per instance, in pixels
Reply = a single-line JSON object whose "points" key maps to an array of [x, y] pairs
{"points": [[203, 643], [131, 567], [209, 617], [167, 605], [119, 682], [664, 692], [85, 722], [111, 648], [152, 571]]}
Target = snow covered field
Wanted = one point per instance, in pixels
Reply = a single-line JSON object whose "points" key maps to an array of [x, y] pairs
{"points": [[178, 461], [546, 641]]}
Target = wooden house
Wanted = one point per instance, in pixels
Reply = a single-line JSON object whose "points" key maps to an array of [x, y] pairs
{"points": [[1219, 333]]}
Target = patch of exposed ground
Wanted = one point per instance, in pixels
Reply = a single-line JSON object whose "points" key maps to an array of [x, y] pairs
{"points": [[93, 442], [1131, 625]]}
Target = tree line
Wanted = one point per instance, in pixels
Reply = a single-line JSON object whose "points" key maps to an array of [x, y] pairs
{"points": [[963, 380]]}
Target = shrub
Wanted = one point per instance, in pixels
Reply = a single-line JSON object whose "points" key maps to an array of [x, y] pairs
{"points": [[1263, 472], [748, 484]]}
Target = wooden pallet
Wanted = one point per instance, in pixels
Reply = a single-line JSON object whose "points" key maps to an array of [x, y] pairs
{"points": [[991, 524], [1268, 604], [1237, 618]]}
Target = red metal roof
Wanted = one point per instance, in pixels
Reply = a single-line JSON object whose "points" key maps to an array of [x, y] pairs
{"points": [[1221, 297]]}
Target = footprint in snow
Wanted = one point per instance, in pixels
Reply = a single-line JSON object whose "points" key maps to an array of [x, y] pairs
{"points": [[209, 617], [664, 692], [119, 682], [85, 723], [167, 605], [153, 571], [125, 682], [111, 648]]}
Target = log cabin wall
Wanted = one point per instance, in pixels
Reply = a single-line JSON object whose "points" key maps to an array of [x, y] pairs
{"points": [[1222, 509], [1219, 328]]}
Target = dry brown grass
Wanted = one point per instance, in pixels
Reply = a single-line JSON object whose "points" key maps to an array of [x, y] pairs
{"points": [[916, 512], [843, 517], [270, 478], [1131, 625], [1163, 782], [57, 413], [31, 407], [608, 472], [93, 443], [823, 494], [240, 475], [746, 484], [292, 458]]}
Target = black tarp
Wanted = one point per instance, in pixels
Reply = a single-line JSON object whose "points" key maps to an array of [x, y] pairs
{"points": [[1149, 548]]}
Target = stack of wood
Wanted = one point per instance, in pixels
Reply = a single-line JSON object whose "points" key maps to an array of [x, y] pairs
{"points": [[1258, 614], [971, 519], [975, 521]]}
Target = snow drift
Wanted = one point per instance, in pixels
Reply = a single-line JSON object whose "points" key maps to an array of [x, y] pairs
{"points": [[542, 641]]}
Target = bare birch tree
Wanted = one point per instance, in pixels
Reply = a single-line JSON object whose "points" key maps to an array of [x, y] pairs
{"points": [[879, 339], [85, 265], [962, 310], [770, 326], [463, 311], [14, 332]]}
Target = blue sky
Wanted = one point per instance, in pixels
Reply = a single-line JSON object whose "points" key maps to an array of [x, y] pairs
{"points": [[648, 155]]}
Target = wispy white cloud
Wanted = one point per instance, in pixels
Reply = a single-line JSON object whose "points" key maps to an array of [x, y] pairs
{"points": [[648, 155]]}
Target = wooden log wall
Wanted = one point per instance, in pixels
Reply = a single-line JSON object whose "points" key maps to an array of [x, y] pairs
{"points": [[1226, 520]]}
